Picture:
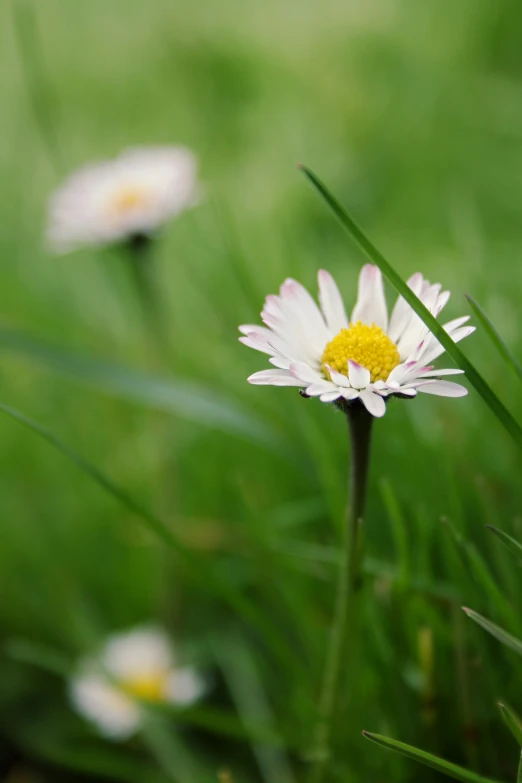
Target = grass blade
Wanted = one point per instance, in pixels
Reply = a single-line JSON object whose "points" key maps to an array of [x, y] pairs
{"points": [[512, 722], [441, 765], [509, 542], [452, 349], [495, 630], [33, 63], [519, 773], [200, 569], [246, 687], [35, 654], [182, 398], [495, 338]]}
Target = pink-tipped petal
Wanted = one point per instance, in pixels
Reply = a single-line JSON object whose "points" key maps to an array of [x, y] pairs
{"points": [[350, 394], [281, 362], [440, 373], [321, 387], [442, 388], [274, 378], [373, 403], [304, 372], [359, 376], [402, 312], [370, 307], [256, 344], [331, 303], [338, 378], [330, 396]]}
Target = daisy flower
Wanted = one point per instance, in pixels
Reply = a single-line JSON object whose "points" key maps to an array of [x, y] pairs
{"points": [[132, 668], [368, 356], [133, 194]]}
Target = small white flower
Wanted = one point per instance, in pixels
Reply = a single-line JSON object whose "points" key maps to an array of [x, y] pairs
{"points": [[134, 193], [109, 689], [366, 357]]}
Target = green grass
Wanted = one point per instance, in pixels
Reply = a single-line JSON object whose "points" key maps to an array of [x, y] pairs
{"points": [[411, 112]]}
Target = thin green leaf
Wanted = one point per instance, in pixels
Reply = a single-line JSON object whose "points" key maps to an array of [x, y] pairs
{"points": [[33, 62], [441, 765], [199, 568], [509, 542], [185, 399], [246, 687], [104, 762], [519, 773], [495, 338], [452, 349], [40, 655], [169, 750], [495, 630], [512, 722]]}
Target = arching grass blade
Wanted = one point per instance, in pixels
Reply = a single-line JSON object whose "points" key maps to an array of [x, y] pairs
{"points": [[452, 349], [509, 542], [495, 630], [185, 399], [441, 765], [511, 721]]}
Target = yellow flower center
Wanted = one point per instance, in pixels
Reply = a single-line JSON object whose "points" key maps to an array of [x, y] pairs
{"points": [[369, 346], [151, 687], [128, 198]]}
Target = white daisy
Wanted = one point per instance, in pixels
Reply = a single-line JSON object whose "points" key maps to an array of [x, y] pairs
{"points": [[113, 200], [366, 357], [132, 667]]}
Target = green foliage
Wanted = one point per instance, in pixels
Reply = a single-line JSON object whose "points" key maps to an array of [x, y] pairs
{"points": [[428, 759], [213, 507]]}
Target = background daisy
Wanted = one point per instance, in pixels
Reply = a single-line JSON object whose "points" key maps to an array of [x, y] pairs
{"points": [[113, 200], [131, 667]]}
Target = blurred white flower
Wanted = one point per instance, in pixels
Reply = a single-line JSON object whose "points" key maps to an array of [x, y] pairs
{"points": [[366, 357], [132, 668], [132, 194]]}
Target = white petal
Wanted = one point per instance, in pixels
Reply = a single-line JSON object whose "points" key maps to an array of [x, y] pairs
{"points": [[433, 349], [331, 303], [330, 396], [304, 372], [370, 307], [440, 373], [301, 305], [185, 686], [442, 301], [280, 361], [373, 403], [338, 378], [257, 345], [442, 388], [400, 372], [247, 328], [137, 653], [274, 378], [451, 325], [350, 394], [406, 391], [402, 312], [359, 376], [114, 714], [321, 387]]}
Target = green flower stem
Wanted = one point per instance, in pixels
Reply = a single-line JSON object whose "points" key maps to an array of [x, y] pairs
{"points": [[360, 428], [143, 271]]}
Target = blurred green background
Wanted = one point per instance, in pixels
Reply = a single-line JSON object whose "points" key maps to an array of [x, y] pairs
{"points": [[412, 113]]}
